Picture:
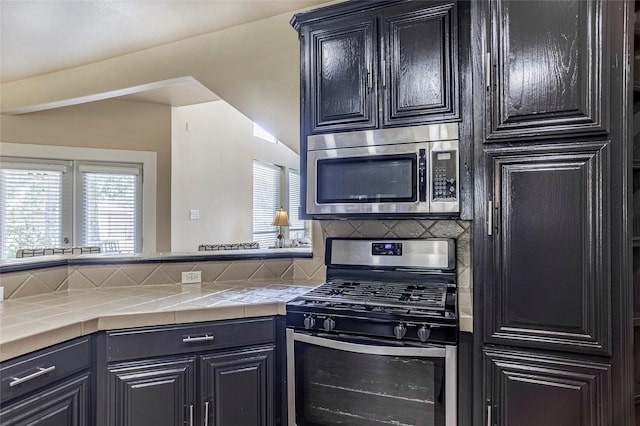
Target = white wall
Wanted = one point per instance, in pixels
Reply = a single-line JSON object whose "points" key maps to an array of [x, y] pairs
{"points": [[213, 149]]}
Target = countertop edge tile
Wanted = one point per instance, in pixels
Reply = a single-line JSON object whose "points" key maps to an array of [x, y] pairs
{"points": [[40, 340], [129, 316]]}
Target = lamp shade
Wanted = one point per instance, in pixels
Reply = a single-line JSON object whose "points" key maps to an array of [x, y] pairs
{"points": [[281, 218]]}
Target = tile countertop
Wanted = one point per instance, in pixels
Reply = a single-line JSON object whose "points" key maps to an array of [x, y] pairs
{"points": [[31, 323]]}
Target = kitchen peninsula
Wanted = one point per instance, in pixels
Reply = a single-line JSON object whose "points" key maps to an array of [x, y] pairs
{"points": [[121, 319]]}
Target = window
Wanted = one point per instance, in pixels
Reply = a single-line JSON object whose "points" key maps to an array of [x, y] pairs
{"points": [[298, 226], [111, 198], [42, 208], [266, 201]]}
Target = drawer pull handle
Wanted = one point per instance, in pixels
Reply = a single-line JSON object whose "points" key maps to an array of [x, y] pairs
{"points": [[206, 413], [41, 371], [189, 339]]}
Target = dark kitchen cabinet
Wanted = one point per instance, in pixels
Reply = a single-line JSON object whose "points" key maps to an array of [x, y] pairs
{"points": [[220, 371], [366, 63], [49, 387], [553, 304], [550, 285], [635, 209], [237, 387], [530, 389], [62, 404], [152, 392], [547, 69], [341, 77]]}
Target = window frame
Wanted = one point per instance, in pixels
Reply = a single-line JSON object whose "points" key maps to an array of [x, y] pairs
{"points": [[148, 159]]}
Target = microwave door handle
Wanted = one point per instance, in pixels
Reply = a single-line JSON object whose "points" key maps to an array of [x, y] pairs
{"points": [[422, 175]]}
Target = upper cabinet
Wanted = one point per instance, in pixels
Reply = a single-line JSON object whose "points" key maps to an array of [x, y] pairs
{"points": [[367, 65], [341, 79], [545, 70]]}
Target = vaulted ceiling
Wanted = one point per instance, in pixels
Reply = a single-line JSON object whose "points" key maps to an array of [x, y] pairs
{"points": [[62, 52]]}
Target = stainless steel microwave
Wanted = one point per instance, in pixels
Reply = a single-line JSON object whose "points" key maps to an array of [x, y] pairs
{"points": [[404, 170]]}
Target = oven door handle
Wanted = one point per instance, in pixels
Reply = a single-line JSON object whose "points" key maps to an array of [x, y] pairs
{"points": [[434, 352]]}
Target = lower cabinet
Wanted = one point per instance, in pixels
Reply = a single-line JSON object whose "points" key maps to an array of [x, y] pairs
{"points": [[63, 404], [152, 392], [212, 374], [49, 387], [531, 389], [237, 387]]}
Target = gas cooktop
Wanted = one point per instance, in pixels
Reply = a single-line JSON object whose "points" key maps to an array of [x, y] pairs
{"points": [[399, 289]]}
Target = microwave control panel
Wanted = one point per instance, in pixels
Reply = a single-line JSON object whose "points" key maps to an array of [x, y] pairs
{"points": [[443, 176]]}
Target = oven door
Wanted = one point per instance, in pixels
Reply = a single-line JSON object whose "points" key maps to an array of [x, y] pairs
{"points": [[342, 381], [374, 179]]}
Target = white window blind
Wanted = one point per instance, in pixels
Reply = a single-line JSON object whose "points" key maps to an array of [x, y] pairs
{"points": [[297, 228], [111, 208], [266, 201], [34, 205]]}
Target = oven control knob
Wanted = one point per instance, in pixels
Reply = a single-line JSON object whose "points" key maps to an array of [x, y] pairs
{"points": [[309, 322], [399, 331], [329, 324], [424, 333]]}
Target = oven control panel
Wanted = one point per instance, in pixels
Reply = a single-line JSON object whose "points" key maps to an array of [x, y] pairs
{"points": [[386, 249]]}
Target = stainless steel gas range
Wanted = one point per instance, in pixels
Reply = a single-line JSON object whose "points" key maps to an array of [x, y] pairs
{"points": [[376, 343]]}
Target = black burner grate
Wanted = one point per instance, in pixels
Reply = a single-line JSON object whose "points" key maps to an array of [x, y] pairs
{"points": [[381, 294]]}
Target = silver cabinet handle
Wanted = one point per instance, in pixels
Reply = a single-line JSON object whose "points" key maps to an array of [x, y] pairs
{"points": [[384, 73], [487, 69], [490, 218], [191, 415], [41, 371], [370, 79], [206, 413], [205, 338], [489, 423]]}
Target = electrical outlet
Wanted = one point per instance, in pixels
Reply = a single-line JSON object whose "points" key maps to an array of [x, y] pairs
{"points": [[192, 277], [1, 294]]}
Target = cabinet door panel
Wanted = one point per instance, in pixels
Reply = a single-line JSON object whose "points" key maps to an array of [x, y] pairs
{"points": [[239, 387], [151, 392], [343, 77], [419, 78], [528, 389], [65, 404], [550, 285], [548, 60]]}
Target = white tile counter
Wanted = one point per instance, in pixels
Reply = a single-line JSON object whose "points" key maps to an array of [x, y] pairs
{"points": [[35, 322]]}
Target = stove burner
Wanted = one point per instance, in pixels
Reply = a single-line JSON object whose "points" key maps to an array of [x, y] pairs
{"points": [[380, 294]]}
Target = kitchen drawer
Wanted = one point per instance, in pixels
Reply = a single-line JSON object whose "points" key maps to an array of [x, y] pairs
{"points": [[184, 338], [32, 371]]}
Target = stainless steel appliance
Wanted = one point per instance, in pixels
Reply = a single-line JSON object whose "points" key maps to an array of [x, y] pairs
{"points": [[404, 170], [376, 343]]}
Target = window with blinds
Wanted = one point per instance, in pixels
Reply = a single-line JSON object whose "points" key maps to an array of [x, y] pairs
{"points": [[40, 207], [34, 205], [297, 228], [266, 201], [111, 201]]}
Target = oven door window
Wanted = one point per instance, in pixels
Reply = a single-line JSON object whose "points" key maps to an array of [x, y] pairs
{"points": [[335, 387], [382, 179]]}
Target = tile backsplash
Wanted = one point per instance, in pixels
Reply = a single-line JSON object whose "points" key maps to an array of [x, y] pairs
{"points": [[47, 280]]}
